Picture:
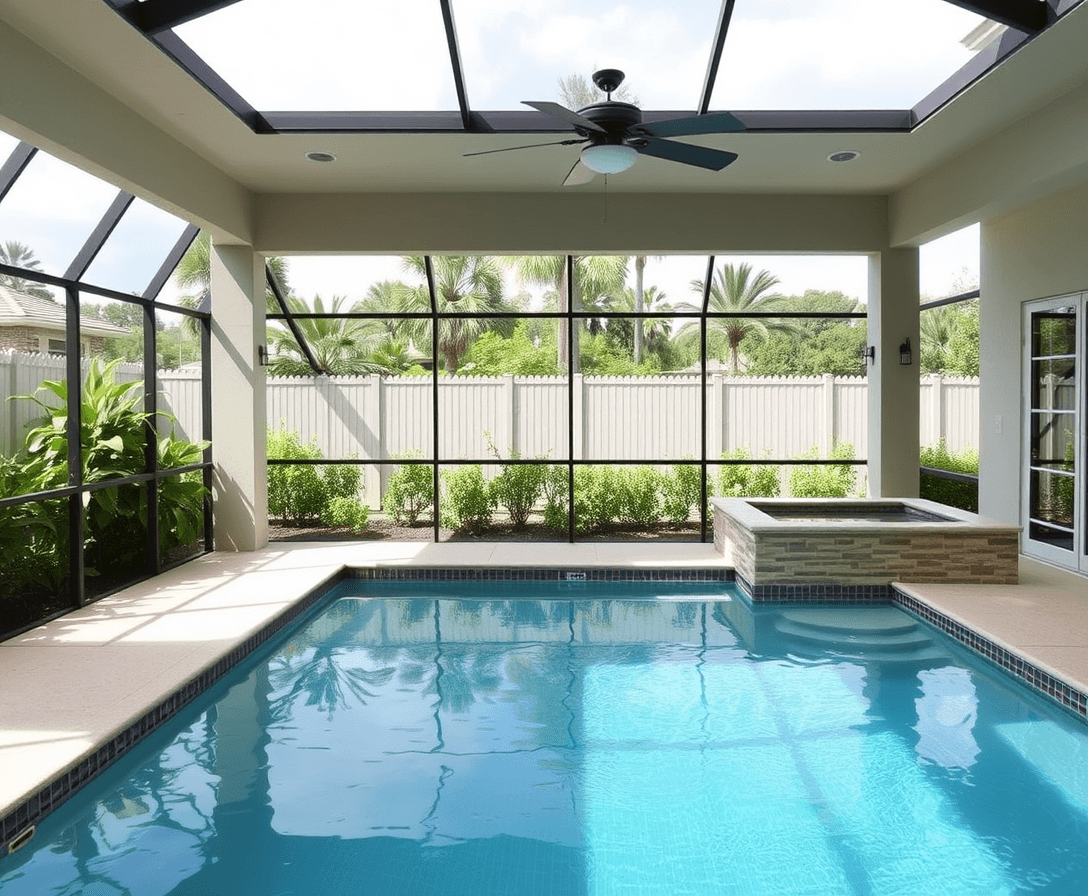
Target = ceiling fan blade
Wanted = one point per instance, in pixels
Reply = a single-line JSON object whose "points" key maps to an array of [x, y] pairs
{"points": [[527, 146], [562, 112], [718, 123], [687, 154], [579, 174]]}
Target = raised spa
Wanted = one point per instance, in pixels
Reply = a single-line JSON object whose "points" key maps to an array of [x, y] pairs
{"points": [[789, 548]]}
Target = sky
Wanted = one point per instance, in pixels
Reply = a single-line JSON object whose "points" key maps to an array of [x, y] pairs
{"points": [[781, 54]]}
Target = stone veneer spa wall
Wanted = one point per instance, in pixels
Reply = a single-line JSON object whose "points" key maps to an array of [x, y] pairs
{"points": [[780, 546]]}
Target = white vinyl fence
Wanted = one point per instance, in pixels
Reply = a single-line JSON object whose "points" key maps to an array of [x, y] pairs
{"points": [[614, 418]]}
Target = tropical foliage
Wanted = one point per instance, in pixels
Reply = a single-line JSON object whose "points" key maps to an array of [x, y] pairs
{"points": [[114, 430], [736, 290]]}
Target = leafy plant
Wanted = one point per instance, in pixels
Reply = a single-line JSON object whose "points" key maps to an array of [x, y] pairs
{"points": [[295, 491], [347, 513], [638, 495], [467, 501], [680, 492], [517, 487], [825, 480], [963, 495], [556, 492], [596, 497], [305, 493], [747, 480], [114, 430], [410, 491]]}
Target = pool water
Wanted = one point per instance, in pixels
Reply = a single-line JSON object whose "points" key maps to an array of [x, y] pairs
{"points": [[594, 739]]}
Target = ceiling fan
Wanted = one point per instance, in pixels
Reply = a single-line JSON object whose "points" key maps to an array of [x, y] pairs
{"points": [[614, 135]]}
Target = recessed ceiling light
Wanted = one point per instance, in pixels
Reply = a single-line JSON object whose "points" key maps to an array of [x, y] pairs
{"points": [[844, 155], [319, 156]]}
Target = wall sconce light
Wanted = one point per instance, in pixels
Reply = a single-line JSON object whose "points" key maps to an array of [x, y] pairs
{"points": [[262, 356], [870, 353], [904, 352]]}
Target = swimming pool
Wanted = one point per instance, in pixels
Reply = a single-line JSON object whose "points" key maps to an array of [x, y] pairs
{"points": [[587, 738]]}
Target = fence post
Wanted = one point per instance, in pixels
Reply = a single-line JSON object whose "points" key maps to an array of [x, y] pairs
{"points": [[510, 405], [578, 397], [936, 410], [374, 421], [829, 431], [716, 412]]}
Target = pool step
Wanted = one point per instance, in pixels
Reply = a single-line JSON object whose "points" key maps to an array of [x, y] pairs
{"points": [[873, 632]]}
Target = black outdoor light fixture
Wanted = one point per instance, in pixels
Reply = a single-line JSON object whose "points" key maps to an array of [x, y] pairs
{"points": [[904, 352], [262, 356], [870, 353]]}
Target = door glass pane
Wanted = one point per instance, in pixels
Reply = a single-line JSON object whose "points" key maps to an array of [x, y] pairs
{"points": [[1052, 440], [1052, 498], [1054, 384], [1054, 332]]}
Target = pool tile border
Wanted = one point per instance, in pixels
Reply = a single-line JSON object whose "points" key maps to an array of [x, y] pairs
{"points": [[853, 595], [37, 806], [537, 574], [1054, 689]]}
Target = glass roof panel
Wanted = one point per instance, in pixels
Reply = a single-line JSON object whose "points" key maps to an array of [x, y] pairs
{"points": [[513, 51], [329, 55], [136, 248], [839, 54], [52, 209]]}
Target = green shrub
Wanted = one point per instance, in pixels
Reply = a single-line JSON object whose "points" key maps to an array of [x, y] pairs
{"points": [[467, 502], [113, 432], [638, 496], [680, 492], [410, 491], [556, 493], [825, 480], [596, 497], [518, 487], [296, 492], [305, 493], [747, 480], [963, 495], [347, 513]]}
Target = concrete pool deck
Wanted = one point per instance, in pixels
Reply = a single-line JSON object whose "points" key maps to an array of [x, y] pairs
{"points": [[78, 682]]}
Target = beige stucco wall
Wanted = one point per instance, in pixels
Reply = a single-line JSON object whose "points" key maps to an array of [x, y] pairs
{"points": [[1034, 252]]}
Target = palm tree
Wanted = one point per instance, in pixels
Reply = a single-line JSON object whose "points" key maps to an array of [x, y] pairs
{"points": [[936, 326], [193, 275], [595, 278], [640, 294], [20, 255], [341, 346], [656, 331], [464, 284], [735, 290]]}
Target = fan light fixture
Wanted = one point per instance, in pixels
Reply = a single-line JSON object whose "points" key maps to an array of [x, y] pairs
{"points": [[609, 158]]}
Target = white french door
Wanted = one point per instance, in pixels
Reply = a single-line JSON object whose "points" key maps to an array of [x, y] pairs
{"points": [[1055, 498]]}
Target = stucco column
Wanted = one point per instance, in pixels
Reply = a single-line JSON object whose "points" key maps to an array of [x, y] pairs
{"points": [[893, 387], [238, 399]]}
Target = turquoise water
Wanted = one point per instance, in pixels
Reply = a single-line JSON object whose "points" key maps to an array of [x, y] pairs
{"points": [[632, 739]]}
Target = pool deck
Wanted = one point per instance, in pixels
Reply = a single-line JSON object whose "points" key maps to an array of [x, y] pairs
{"points": [[75, 683]]}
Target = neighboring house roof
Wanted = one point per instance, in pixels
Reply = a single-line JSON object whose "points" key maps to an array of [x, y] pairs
{"points": [[17, 309]]}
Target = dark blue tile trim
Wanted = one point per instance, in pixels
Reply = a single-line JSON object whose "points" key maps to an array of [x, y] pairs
{"points": [[538, 574], [1054, 689], [854, 595]]}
